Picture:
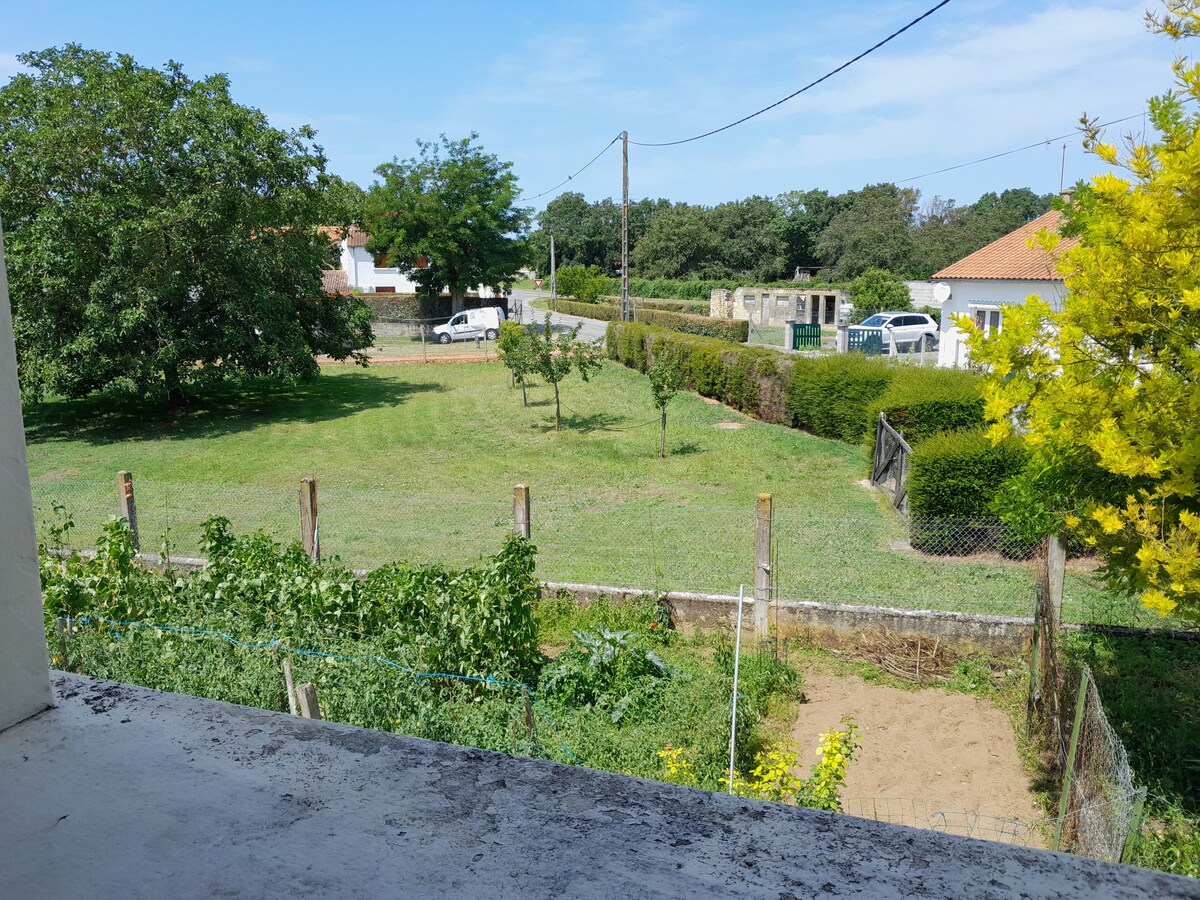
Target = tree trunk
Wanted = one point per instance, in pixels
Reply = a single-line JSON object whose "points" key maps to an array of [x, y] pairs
{"points": [[662, 438], [524, 396], [557, 414], [176, 395], [456, 303]]}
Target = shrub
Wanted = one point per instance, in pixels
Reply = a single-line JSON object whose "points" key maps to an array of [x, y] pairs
{"points": [[953, 478], [830, 396], [584, 283], [924, 402], [876, 290]]}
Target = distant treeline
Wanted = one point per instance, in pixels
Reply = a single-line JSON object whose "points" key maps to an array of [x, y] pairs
{"points": [[764, 239]]}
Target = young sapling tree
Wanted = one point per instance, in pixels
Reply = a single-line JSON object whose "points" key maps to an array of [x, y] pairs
{"points": [[666, 380], [555, 355]]}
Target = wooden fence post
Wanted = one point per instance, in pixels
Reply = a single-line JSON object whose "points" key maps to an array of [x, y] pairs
{"points": [[1133, 835], [1068, 775], [1055, 575], [521, 520], [289, 685], [306, 694], [127, 507], [310, 535], [762, 565]]}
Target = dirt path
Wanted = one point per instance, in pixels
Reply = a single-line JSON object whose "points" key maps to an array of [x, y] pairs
{"points": [[929, 758]]}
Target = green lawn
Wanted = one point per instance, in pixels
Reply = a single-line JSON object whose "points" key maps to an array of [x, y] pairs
{"points": [[419, 462]]}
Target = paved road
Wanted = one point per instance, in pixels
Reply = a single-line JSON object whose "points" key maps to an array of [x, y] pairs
{"points": [[593, 330]]}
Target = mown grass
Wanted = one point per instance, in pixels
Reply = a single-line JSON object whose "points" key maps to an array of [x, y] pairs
{"points": [[419, 462]]}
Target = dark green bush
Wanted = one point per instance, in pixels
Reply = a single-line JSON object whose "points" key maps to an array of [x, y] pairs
{"points": [[830, 396], [923, 402], [953, 478], [958, 473], [699, 289]]}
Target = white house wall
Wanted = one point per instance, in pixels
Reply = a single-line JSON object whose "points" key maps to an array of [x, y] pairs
{"points": [[965, 293]]}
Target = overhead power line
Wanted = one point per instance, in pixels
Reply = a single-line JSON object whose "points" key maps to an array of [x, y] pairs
{"points": [[573, 174], [895, 34], [975, 162]]}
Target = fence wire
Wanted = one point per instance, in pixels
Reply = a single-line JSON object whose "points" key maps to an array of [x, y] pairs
{"points": [[1100, 797], [616, 539]]}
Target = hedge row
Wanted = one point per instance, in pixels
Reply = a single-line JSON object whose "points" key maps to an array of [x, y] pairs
{"points": [[842, 396], [753, 380], [697, 289], [724, 329]]}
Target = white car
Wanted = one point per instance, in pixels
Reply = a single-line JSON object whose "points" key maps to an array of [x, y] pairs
{"points": [[905, 327], [470, 324]]}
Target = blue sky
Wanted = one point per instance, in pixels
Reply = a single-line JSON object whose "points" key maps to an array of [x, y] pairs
{"points": [[547, 85]]}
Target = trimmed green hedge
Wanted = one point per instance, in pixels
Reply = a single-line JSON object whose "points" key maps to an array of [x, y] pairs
{"points": [[751, 379], [701, 289], [923, 402], [953, 478], [722, 329], [830, 396]]}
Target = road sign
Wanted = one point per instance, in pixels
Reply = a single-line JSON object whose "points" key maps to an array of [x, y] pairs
{"points": [[538, 282]]}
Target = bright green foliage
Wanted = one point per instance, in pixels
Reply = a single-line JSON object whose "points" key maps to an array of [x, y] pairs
{"points": [[477, 621], [515, 349], [666, 379], [1108, 388], [159, 235], [556, 354], [612, 671], [453, 207], [922, 402], [585, 283], [876, 290]]}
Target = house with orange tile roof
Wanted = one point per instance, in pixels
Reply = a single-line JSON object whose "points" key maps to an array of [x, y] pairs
{"points": [[1004, 273]]}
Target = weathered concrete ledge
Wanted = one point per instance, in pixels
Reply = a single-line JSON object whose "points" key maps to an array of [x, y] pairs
{"points": [[829, 623], [123, 792]]}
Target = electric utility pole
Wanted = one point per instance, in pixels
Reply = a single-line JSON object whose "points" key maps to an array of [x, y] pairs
{"points": [[553, 279], [625, 306]]}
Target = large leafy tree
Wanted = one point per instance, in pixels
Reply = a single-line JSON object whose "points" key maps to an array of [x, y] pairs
{"points": [[873, 232], [1107, 390], [160, 235], [453, 210]]}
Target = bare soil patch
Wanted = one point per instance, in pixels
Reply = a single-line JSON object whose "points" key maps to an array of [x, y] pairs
{"points": [[730, 426], [930, 758]]}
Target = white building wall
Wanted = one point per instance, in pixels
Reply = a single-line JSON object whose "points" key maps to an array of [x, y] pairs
{"points": [[968, 295], [24, 674]]}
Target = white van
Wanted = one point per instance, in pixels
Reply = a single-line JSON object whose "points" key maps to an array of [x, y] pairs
{"points": [[470, 324]]}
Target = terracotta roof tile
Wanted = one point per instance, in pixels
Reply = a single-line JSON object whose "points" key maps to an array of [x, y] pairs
{"points": [[334, 281], [358, 237], [1011, 257]]}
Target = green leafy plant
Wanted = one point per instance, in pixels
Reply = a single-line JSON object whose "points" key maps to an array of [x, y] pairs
{"points": [[556, 354], [515, 348], [666, 379], [610, 670]]}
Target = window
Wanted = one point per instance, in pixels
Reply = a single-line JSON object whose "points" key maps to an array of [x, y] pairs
{"points": [[988, 319], [783, 301]]}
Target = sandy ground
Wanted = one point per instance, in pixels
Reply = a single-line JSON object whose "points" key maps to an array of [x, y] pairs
{"points": [[929, 758]]}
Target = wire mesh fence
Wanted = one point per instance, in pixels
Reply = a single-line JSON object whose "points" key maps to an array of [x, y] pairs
{"points": [[615, 538], [1100, 805]]}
